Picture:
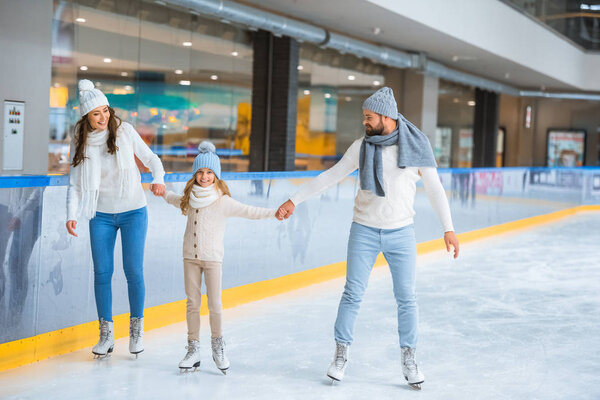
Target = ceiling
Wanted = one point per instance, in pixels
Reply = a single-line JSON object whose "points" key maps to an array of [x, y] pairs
{"points": [[359, 18]]}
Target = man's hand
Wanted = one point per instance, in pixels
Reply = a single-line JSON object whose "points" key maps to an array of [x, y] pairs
{"points": [[285, 210], [71, 225], [158, 189], [451, 240]]}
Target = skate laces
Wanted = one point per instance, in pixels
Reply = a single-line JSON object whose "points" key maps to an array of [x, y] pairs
{"points": [[104, 331], [340, 355], [191, 348], [409, 360], [135, 328], [218, 347]]}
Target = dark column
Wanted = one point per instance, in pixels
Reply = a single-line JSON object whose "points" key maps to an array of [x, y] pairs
{"points": [[485, 128], [274, 103]]}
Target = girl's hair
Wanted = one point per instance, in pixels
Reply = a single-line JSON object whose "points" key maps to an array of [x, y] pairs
{"points": [[83, 127], [221, 186]]}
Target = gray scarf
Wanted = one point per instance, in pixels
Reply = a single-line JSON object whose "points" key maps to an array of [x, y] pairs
{"points": [[414, 150]]}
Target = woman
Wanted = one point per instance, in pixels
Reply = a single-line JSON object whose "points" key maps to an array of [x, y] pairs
{"points": [[104, 187]]}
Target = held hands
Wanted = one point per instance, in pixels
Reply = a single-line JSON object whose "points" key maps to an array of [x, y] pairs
{"points": [[285, 210], [158, 189], [71, 226], [451, 240]]}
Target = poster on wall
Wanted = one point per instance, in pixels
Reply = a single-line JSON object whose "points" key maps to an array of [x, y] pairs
{"points": [[566, 148], [500, 147]]}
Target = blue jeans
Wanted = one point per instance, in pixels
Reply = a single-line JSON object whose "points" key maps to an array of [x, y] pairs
{"points": [[400, 251], [103, 235]]}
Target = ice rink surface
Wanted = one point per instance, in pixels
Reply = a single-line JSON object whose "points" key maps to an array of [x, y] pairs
{"points": [[515, 317]]}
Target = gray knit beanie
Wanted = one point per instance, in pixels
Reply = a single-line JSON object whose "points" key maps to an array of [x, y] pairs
{"points": [[382, 102]]}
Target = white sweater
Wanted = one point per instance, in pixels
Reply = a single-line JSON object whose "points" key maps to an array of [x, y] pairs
{"points": [[205, 229], [393, 211], [109, 200]]}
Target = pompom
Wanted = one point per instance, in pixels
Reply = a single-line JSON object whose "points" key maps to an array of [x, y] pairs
{"points": [[206, 147], [85, 84]]}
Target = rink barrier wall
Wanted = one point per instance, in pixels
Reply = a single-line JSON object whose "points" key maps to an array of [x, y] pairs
{"points": [[46, 345]]}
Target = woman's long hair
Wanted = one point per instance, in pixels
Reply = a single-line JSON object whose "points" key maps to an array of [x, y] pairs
{"points": [[220, 185], [83, 127]]}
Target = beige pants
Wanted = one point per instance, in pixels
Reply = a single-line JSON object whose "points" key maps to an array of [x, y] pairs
{"points": [[193, 270]]}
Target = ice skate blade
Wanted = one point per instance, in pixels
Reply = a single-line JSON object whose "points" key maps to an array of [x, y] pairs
{"points": [[98, 356], [415, 386], [187, 369], [333, 380], [223, 371]]}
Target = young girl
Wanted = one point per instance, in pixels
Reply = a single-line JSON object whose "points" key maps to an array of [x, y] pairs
{"points": [[207, 203], [104, 186]]}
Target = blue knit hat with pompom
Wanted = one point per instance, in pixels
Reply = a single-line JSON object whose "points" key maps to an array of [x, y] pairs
{"points": [[207, 158]]}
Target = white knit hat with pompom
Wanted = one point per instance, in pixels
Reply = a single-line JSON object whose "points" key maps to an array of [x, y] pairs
{"points": [[90, 97], [207, 158]]}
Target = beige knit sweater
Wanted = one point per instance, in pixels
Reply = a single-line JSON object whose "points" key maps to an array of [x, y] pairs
{"points": [[205, 230]]}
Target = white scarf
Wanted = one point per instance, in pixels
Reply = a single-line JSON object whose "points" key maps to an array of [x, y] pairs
{"points": [[91, 169], [203, 197]]}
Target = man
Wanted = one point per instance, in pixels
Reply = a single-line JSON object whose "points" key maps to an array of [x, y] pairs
{"points": [[391, 158]]}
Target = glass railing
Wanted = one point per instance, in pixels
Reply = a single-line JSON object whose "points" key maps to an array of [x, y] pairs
{"points": [[46, 276], [578, 20]]}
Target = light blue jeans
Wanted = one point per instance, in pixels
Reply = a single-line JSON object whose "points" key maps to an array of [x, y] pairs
{"points": [[400, 251], [103, 235]]}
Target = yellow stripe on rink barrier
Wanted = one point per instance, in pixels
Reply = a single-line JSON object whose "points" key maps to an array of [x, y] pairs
{"points": [[36, 348]]}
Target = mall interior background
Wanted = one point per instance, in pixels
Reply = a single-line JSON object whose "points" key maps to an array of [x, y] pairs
{"points": [[180, 78]]}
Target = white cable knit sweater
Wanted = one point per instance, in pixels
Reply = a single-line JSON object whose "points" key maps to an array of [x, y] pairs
{"points": [[205, 229], [393, 211]]}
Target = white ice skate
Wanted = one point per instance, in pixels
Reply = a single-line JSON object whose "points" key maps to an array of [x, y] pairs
{"points": [[106, 343], [192, 358], [411, 372], [340, 361], [218, 353], [136, 336]]}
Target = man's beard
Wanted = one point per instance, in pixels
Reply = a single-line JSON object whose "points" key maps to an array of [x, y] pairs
{"points": [[374, 131]]}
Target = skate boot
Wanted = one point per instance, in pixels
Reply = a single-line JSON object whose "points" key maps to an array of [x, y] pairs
{"points": [[106, 343], [340, 361], [136, 336], [192, 358], [411, 372], [218, 353]]}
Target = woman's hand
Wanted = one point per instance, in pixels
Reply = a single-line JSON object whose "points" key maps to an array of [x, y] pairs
{"points": [[71, 226], [158, 189]]}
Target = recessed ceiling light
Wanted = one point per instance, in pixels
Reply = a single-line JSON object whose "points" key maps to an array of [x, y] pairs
{"points": [[306, 92], [160, 2], [455, 58], [507, 75], [455, 100], [185, 83], [107, 60], [127, 87], [178, 72], [187, 44], [124, 74], [348, 98], [235, 53], [376, 30], [376, 83], [351, 77], [57, 85], [300, 67], [327, 95], [82, 20], [214, 77], [83, 68], [471, 103]]}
